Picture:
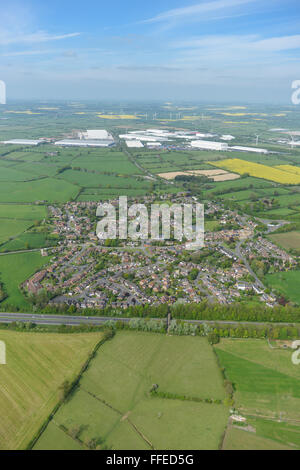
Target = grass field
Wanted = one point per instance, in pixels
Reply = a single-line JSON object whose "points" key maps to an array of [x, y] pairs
{"points": [[15, 219], [113, 163], [48, 189], [238, 439], [287, 283], [14, 270], [266, 381], [113, 404], [37, 365], [22, 211], [288, 240], [100, 180], [11, 228], [28, 240]]}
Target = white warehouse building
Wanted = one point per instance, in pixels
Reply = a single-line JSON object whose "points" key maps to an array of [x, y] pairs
{"points": [[84, 143], [95, 134], [249, 149], [209, 145], [134, 144], [23, 142]]}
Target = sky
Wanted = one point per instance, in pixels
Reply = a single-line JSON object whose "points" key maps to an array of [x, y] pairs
{"points": [[181, 50]]}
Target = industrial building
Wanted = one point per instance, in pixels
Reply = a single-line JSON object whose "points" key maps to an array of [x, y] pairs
{"points": [[23, 142], [95, 134], [134, 144], [209, 145], [84, 143], [153, 144], [249, 149], [143, 137], [227, 137]]}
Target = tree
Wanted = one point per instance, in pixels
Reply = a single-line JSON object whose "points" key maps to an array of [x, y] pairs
{"points": [[213, 338]]}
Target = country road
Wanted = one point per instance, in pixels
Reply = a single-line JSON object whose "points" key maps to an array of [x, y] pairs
{"points": [[73, 320], [246, 263]]}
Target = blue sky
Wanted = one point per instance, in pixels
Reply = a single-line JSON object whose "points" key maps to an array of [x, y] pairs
{"points": [[209, 50]]}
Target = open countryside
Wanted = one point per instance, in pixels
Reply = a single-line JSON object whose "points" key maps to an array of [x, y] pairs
{"points": [[114, 404], [37, 366]]}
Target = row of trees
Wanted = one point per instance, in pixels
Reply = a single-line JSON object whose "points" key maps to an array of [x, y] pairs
{"points": [[239, 312]]}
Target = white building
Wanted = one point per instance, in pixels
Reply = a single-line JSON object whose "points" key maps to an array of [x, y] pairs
{"points": [[95, 134], [153, 144], [143, 137], [134, 144], [249, 149], [84, 143], [209, 145], [23, 142], [201, 135], [227, 137]]}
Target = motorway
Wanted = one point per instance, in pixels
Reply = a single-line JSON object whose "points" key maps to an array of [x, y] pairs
{"points": [[72, 320]]}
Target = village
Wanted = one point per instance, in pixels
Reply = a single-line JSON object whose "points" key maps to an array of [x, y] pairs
{"points": [[86, 272]]}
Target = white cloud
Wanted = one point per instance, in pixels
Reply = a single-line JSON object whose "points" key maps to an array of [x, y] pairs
{"points": [[283, 43], [6, 38], [242, 47], [198, 9]]}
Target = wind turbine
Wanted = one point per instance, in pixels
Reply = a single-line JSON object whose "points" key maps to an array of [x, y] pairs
{"points": [[292, 140], [257, 137]]}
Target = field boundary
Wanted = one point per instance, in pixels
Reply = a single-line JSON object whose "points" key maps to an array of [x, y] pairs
{"points": [[107, 336]]}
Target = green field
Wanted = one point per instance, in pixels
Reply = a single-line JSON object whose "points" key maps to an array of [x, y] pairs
{"points": [[11, 228], [85, 179], [48, 189], [287, 283], [114, 163], [29, 241], [238, 439], [266, 381], [37, 365], [113, 403], [14, 270], [22, 211], [288, 240], [14, 221]]}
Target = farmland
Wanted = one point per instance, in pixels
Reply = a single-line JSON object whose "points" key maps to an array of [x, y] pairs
{"points": [[113, 405], [266, 381], [15, 219], [48, 189], [259, 171], [37, 365], [289, 240], [215, 175], [10, 228], [239, 439], [15, 269], [286, 283], [267, 386]]}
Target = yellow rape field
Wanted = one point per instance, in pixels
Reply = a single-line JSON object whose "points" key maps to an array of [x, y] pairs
{"points": [[290, 168], [259, 171], [20, 112]]}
